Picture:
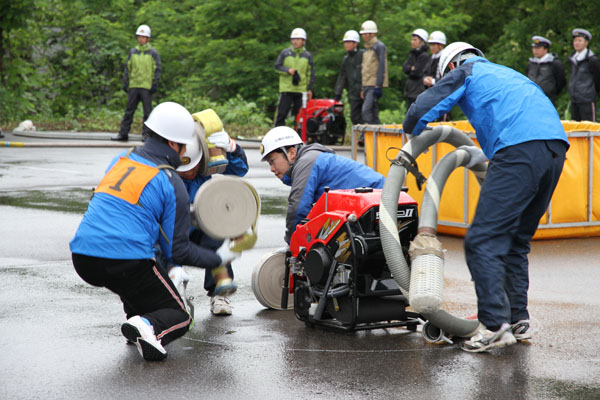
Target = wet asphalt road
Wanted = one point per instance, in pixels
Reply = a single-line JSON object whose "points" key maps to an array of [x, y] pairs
{"points": [[60, 338]]}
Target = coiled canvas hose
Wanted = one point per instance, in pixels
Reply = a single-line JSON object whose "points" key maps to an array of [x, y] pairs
{"points": [[390, 239]]}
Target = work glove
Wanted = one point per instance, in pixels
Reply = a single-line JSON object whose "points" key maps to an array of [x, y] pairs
{"points": [[477, 155], [337, 98], [225, 253], [178, 275], [296, 78], [153, 89], [221, 139], [378, 92], [125, 87]]}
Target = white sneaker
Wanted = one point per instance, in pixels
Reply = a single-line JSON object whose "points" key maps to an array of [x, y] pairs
{"points": [[486, 340], [137, 331], [520, 330], [220, 305]]}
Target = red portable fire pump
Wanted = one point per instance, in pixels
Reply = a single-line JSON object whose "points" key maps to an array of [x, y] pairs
{"points": [[336, 268], [322, 121]]}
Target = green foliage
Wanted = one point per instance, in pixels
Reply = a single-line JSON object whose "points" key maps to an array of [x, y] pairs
{"points": [[63, 60]]}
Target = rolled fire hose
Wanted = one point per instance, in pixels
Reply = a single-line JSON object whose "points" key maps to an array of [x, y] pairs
{"points": [[226, 207], [214, 160], [267, 280], [390, 240]]}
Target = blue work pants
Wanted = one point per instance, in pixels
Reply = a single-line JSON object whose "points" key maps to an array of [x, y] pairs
{"points": [[514, 196]]}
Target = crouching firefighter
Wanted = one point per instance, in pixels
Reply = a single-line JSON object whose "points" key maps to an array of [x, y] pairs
{"points": [[139, 202], [308, 170]]}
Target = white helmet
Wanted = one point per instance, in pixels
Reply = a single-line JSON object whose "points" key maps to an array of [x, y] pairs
{"points": [[421, 33], [453, 53], [192, 155], [172, 122], [368, 27], [143, 30], [437, 37], [278, 137], [351, 36], [298, 33]]}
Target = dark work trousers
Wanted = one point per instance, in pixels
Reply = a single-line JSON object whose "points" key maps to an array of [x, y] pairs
{"points": [[370, 109], [514, 196], [144, 289], [134, 96], [202, 239], [356, 106], [583, 112], [287, 100]]}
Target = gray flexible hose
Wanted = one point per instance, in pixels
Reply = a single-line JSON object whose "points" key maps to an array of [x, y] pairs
{"points": [[390, 240], [429, 215]]}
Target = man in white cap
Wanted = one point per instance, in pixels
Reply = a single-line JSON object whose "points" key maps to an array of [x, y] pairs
{"points": [[545, 68], [374, 73], [140, 82], [350, 76], [415, 66], [437, 41], [296, 76], [585, 78]]}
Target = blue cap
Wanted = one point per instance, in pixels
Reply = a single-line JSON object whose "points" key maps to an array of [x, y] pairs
{"points": [[540, 41], [582, 33]]}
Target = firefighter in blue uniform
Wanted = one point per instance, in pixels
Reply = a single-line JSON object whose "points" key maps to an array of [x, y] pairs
{"points": [[520, 131], [308, 170], [139, 202]]}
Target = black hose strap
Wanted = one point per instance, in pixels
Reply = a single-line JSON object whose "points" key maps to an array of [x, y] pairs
{"points": [[404, 159]]}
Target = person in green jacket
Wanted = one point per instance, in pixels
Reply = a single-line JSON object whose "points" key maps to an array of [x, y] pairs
{"points": [[296, 76], [351, 77], [142, 71]]}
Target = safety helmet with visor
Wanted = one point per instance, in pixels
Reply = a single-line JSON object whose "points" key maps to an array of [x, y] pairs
{"points": [[456, 53], [279, 137], [192, 155], [298, 33], [368, 27], [143, 30], [173, 122]]}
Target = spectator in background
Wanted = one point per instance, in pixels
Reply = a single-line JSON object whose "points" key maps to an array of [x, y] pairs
{"points": [[585, 78], [415, 67], [350, 76], [437, 41], [296, 76], [142, 71], [545, 68], [374, 73]]}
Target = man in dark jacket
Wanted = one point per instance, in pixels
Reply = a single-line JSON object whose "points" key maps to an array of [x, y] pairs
{"points": [[350, 76], [142, 71], [585, 78], [545, 68], [416, 66], [437, 41]]}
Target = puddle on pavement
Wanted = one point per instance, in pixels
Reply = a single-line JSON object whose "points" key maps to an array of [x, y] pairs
{"points": [[68, 200], [76, 201], [273, 205]]}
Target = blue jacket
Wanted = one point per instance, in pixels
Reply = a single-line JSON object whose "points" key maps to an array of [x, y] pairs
{"points": [[117, 225], [315, 167], [238, 166], [503, 106]]}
